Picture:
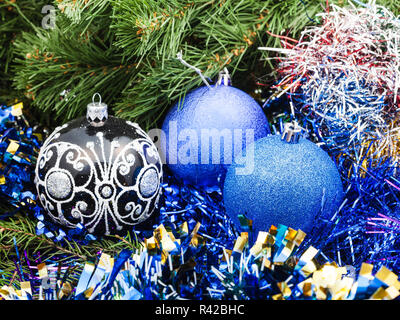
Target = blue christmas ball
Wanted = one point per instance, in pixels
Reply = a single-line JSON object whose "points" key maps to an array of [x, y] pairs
{"points": [[204, 131], [291, 184]]}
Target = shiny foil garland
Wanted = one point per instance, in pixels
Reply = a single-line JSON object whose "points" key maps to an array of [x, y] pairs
{"points": [[343, 78], [340, 80], [194, 252], [168, 266]]}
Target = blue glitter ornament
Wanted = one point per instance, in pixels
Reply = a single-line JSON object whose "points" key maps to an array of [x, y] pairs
{"points": [[203, 132], [291, 184]]}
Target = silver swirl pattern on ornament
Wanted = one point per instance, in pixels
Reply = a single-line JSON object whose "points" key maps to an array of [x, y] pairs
{"points": [[104, 188]]}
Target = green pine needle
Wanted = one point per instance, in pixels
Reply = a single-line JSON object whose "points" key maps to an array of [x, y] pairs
{"points": [[22, 228]]}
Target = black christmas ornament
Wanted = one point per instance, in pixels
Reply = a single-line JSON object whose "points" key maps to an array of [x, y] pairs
{"points": [[102, 172]]}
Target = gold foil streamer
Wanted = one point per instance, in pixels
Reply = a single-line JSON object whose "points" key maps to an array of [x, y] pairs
{"points": [[88, 292], [228, 254], [241, 242], [183, 229], [376, 147], [260, 244], [273, 230], [164, 256], [26, 288], [386, 276], [42, 269], [196, 239], [65, 290], [151, 245], [366, 271], [385, 294], [278, 296], [305, 265], [327, 281], [106, 262], [306, 286], [16, 110], [284, 288]]}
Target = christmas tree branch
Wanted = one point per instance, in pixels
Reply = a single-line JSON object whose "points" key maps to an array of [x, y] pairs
{"points": [[78, 66], [33, 237], [22, 229], [15, 17], [126, 49]]}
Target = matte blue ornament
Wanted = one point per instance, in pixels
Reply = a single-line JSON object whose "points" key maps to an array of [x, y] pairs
{"points": [[207, 128], [291, 184]]}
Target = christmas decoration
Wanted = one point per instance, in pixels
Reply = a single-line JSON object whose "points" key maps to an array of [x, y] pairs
{"points": [[205, 242], [342, 76], [125, 49], [349, 107], [19, 146], [293, 182], [272, 267], [100, 171], [205, 131]]}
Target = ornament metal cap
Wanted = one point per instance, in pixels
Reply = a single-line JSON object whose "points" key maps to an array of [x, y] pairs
{"points": [[291, 132], [97, 112], [224, 78]]}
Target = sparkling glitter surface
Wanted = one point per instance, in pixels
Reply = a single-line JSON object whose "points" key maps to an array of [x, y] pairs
{"points": [[106, 192], [59, 185], [221, 108], [89, 175], [149, 183], [290, 184]]}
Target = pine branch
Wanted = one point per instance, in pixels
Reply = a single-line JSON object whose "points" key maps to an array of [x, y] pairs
{"points": [[59, 60], [22, 228], [211, 36], [152, 26], [79, 11], [126, 50], [55, 61], [15, 17]]}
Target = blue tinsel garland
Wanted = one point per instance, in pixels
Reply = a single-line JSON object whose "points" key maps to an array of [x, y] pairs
{"points": [[206, 262]]}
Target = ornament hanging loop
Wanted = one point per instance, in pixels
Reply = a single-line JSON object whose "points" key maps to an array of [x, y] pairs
{"points": [[291, 132], [198, 71], [97, 112], [96, 95]]}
